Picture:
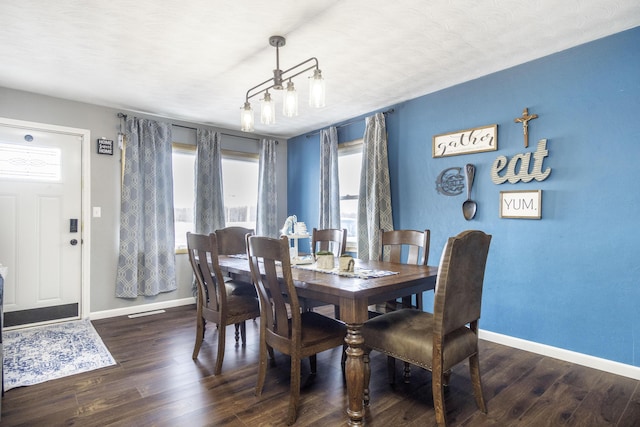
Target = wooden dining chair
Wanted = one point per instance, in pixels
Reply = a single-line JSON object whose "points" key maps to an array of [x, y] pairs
{"points": [[439, 341], [405, 247], [327, 239], [232, 241], [215, 302], [294, 332], [402, 247]]}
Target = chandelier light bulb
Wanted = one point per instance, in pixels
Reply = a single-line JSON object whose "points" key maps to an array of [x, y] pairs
{"points": [[290, 101], [267, 110], [316, 89], [246, 118]]}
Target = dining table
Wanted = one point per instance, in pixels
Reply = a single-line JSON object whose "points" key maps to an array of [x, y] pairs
{"points": [[372, 282]]}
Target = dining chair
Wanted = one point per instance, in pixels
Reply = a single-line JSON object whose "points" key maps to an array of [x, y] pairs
{"points": [[232, 241], [405, 247], [215, 302], [439, 341], [299, 334], [402, 247], [327, 239]]}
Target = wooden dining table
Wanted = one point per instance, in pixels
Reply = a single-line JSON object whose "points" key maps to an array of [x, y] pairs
{"points": [[353, 295]]}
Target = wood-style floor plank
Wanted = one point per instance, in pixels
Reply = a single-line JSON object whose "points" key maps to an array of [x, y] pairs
{"points": [[156, 383]]}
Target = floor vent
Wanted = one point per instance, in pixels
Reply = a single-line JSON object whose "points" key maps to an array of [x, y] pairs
{"points": [[145, 313]]}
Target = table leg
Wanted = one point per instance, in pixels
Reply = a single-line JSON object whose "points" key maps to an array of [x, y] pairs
{"points": [[355, 374]]}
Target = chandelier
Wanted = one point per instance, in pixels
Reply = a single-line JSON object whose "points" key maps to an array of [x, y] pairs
{"points": [[289, 93]]}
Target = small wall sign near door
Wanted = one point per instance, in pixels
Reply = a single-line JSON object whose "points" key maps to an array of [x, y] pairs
{"points": [[467, 141], [521, 204], [105, 146]]}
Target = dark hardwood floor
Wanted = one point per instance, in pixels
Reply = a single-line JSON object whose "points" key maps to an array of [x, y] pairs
{"points": [[156, 383]]}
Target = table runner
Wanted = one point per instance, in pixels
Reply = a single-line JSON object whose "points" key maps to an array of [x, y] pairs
{"points": [[362, 273]]}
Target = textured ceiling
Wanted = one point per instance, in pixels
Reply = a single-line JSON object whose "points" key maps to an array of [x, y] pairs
{"points": [[194, 60]]}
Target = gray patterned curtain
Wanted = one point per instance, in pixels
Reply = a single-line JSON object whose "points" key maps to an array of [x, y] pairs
{"points": [[329, 184], [374, 204], [146, 264], [267, 209], [209, 199]]}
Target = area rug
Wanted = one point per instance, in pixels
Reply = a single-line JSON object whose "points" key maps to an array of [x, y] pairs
{"points": [[43, 353]]}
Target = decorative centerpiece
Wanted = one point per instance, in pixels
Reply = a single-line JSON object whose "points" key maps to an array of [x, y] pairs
{"points": [[324, 260], [346, 263]]}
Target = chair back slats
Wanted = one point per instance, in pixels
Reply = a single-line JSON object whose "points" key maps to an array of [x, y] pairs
{"points": [[412, 242], [264, 256], [203, 256], [231, 240], [404, 247], [458, 293], [329, 239]]}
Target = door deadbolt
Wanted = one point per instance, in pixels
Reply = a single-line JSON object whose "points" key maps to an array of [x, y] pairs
{"points": [[73, 242]]}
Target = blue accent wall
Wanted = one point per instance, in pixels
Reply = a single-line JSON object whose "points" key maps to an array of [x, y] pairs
{"points": [[572, 279]]}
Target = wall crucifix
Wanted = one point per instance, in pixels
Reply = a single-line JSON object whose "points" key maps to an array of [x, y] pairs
{"points": [[524, 119]]}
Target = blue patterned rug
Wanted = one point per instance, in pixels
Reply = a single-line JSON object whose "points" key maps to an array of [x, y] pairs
{"points": [[43, 353]]}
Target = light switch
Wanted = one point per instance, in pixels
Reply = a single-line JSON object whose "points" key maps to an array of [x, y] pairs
{"points": [[97, 211]]}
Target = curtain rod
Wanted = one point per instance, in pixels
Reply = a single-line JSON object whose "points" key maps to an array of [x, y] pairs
{"points": [[222, 133], [349, 123], [124, 116]]}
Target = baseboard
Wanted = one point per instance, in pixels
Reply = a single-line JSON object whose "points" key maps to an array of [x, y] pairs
{"points": [[543, 349], [566, 355], [140, 308]]}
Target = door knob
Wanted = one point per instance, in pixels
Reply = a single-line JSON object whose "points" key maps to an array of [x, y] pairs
{"points": [[73, 242]]}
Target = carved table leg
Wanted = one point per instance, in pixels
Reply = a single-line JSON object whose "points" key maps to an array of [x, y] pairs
{"points": [[355, 374]]}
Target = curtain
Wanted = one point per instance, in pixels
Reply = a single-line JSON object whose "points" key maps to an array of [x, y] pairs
{"points": [[146, 263], [374, 204], [329, 184], [267, 221], [209, 198]]}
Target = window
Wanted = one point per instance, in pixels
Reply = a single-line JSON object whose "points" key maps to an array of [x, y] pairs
{"points": [[240, 187], [184, 166], [349, 165], [30, 162]]}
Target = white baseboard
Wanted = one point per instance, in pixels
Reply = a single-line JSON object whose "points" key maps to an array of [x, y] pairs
{"points": [[141, 308], [566, 355], [543, 349]]}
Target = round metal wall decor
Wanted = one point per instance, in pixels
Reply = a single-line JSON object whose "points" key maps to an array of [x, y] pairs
{"points": [[450, 182]]}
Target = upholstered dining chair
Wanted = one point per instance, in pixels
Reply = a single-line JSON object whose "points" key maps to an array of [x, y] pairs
{"points": [[299, 334], [232, 241], [215, 302], [439, 341]]}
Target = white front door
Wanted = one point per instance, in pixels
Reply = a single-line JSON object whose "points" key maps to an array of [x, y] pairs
{"points": [[41, 222]]}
